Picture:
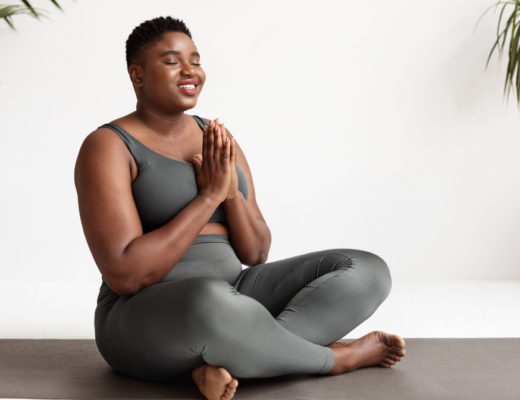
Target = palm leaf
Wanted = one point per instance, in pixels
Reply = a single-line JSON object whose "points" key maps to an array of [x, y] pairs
{"points": [[31, 9], [512, 26], [6, 12]]}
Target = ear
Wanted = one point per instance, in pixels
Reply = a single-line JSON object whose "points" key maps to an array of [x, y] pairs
{"points": [[136, 75]]}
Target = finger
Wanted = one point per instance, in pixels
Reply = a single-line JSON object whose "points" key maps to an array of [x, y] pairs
{"points": [[225, 155], [232, 153], [205, 142], [218, 145], [224, 136], [211, 144]]}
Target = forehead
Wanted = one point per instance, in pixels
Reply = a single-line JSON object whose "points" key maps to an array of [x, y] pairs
{"points": [[178, 41]]}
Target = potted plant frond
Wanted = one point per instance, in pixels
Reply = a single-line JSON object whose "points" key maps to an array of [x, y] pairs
{"points": [[7, 11], [511, 29]]}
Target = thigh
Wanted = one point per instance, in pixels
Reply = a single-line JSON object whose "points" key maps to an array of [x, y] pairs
{"points": [[159, 333], [274, 284], [166, 330]]}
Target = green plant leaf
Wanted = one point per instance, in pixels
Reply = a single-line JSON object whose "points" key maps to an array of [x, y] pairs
{"points": [[56, 4], [9, 22], [7, 11], [512, 26], [513, 62], [31, 9], [500, 19]]}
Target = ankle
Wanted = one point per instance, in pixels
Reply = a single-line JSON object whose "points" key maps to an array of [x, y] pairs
{"points": [[343, 359]]}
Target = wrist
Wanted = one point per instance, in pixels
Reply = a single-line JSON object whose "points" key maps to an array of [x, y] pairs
{"points": [[209, 200], [234, 198]]}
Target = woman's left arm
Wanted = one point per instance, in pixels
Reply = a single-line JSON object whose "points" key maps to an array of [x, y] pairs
{"points": [[248, 232]]}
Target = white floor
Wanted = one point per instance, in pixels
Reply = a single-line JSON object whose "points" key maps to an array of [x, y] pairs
{"points": [[470, 309]]}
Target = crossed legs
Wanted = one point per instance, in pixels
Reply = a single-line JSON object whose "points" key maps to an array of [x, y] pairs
{"points": [[275, 319]]}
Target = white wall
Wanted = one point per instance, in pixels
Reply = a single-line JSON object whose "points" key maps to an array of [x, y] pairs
{"points": [[367, 125]]}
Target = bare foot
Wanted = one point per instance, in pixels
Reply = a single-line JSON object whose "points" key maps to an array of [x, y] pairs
{"points": [[215, 383], [374, 349]]}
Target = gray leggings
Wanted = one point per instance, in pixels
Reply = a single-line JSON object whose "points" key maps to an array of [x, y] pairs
{"points": [[267, 320]]}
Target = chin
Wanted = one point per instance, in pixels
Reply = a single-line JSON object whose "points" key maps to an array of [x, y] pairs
{"points": [[189, 105]]}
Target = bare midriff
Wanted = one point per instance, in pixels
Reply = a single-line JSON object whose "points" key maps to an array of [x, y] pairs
{"points": [[214, 228]]}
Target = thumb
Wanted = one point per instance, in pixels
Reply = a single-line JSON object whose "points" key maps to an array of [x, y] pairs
{"points": [[197, 163]]}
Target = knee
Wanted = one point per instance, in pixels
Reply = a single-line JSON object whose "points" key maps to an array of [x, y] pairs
{"points": [[378, 273], [372, 271]]}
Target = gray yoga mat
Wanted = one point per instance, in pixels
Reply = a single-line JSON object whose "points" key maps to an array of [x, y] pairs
{"points": [[432, 369]]}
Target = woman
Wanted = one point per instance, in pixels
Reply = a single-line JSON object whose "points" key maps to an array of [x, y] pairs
{"points": [[168, 208]]}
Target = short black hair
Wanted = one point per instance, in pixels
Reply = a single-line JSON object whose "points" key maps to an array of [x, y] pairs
{"points": [[149, 33]]}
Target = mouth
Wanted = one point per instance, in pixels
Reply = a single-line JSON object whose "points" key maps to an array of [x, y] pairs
{"points": [[188, 86]]}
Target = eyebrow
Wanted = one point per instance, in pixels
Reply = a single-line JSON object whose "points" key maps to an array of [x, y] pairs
{"points": [[177, 53]]}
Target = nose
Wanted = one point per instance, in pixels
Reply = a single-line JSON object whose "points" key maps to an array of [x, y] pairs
{"points": [[188, 69]]}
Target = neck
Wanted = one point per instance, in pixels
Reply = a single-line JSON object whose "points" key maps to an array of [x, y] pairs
{"points": [[171, 125]]}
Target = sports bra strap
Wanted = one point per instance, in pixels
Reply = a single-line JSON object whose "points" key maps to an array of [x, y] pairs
{"points": [[200, 121]]}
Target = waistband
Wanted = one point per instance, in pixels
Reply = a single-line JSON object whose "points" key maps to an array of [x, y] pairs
{"points": [[206, 238], [212, 238]]}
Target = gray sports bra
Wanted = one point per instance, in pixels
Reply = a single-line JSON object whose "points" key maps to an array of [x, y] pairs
{"points": [[164, 186]]}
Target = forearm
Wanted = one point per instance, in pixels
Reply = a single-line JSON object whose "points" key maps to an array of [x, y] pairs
{"points": [[249, 236], [149, 257]]}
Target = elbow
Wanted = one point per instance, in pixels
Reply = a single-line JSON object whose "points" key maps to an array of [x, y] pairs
{"points": [[123, 285], [125, 290], [262, 258], [262, 255], [129, 287], [120, 287]]}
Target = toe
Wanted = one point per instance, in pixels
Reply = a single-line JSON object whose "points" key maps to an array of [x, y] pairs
{"points": [[391, 340], [389, 361], [394, 357], [222, 374], [397, 352], [230, 390], [398, 341], [385, 365]]}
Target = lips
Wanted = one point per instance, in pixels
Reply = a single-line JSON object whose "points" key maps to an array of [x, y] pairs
{"points": [[188, 90]]}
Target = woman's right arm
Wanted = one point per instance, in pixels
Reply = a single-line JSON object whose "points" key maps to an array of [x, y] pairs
{"points": [[128, 259]]}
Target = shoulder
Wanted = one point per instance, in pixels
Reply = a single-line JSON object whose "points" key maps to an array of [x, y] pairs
{"points": [[102, 147], [102, 140]]}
